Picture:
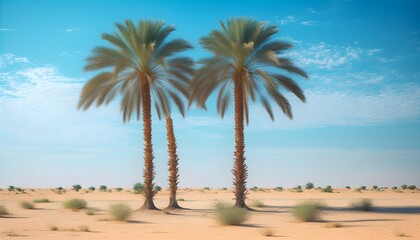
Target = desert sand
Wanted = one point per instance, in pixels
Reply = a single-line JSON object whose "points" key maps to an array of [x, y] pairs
{"points": [[396, 214]]}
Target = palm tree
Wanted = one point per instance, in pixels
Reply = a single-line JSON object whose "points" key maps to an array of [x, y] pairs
{"points": [[139, 65], [244, 51]]}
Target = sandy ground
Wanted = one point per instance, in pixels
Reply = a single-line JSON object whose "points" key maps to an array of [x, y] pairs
{"points": [[395, 214]]}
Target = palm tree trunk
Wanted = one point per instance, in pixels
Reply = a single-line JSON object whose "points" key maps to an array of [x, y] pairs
{"points": [[148, 172], [240, 170], [172, 164]]}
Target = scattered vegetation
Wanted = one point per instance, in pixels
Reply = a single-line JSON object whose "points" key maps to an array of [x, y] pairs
{"points": [[224, 188], [411, 187], [257, 203], [180, 200], [309, 185], [348, 187], [404, 186], [375, 187], [60, 188], [77, 187], [11, 188], [26, 205], [206, 188], [120, 211], [3, 211], [278, 189], [394, 188], [89, 212], [118, 189], [227, 215], [308, 211], [363, 187], [158, 188], [362, 205], [327, 189], [92, 188], [138, 188], [75, 204], [102, 188], [42, 200]]}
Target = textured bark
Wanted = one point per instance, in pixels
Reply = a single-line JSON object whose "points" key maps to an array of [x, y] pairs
{"points": [[240, 171], [148, 172], [172, 164]]}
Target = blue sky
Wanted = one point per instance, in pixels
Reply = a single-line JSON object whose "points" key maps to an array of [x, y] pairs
{"points": [[360, 125]]}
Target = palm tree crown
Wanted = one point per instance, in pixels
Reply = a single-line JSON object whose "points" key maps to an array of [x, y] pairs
{"points": [[139, 65], [244, 64]]}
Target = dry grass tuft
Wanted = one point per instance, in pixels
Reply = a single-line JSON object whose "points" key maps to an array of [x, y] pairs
{"points": [[227, 215], [3, 211], [26, 205]]}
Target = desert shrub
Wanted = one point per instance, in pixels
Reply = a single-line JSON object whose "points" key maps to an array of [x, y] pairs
{"points": [[299, 187], [3, 211], [411, 187], [268, 232], [180, 200], [138, 188], [102, 188], [158, 188], [20, 189], [224, 188], [11, 188], [327, 189], [362, 205], [120, 211], [109, 190], [89, 212], [299, 190], [92, 189], [348, 187], [75, 204], [363, 187], [42, 200], [394, 188], [26, 205], [84, 228], [307, 211], [278, 189], [404, 186], [53, 228], [257, 203], [375, 187], [206, 188], [77, 187], [309, 185], [227, 215], [118, 189], [60, 188]]}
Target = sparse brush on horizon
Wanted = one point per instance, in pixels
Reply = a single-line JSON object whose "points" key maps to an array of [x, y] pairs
{"points": [[3, 211], [138, 188], [327, 189], [120, 211], [75, 204], [77, 187], [42, 200], [362, 205], [102, 188], [228, 215], [257, 203], [26, 205], [308, 211]]}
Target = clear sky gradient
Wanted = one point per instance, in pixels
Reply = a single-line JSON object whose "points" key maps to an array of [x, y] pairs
{"points": [[360, 125]]}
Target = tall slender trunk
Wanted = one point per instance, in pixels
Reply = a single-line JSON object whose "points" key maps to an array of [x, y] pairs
{"points": [[172, 164], [148, 172], [240, 170]]}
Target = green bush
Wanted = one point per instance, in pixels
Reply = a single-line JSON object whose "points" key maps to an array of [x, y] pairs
{"points": [[43, 200], [309, 185], [26, 205], [278, 189], [257, 203], [3, 211], [411, 187], [75, 204], [348, 187], [362, 205], [327, 189], [11, 188], [138, 188], [308, 211], [118, 189], [299, 187], [375, 187], [102, 188], [227, 215], [158, 188], [60, 188], [120, 211], [77, 187], [394, 188], [92, 189], [404, 186], [90, 212], [206, 188], [363, 187]]}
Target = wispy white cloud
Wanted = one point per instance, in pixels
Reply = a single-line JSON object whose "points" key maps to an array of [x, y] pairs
{"points": [[8, 59], [294, 19], [370, 52], [309, 23], [71, 30], [325, 56], [6, 29]]}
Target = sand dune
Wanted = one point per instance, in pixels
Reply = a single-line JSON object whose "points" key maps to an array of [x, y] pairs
{"points": [[395, 215]]}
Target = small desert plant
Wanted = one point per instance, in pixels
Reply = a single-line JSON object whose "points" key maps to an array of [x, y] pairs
{"points": [[89, 212], [120, 211], [92, 189], [268, 232], [84, 228], [53, 228], [60, 188], [75, 204], [394, 188], [26, 205], [42, 200], [227, 215], [327, 189], [362, 205], [102, 188], [348, 187], [363, 187], [11, 188], [254, 188], [138, 188], [77, 187], [411, 187], [118, 189], [257, 203], [299, 187], [158, 188], [224, 188], [3, 211], [206, 188], [404, 186], [278, 189], [180, 200], [309, 185], [401, 234], [307, 211], [20, 189], [375, 187]]}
